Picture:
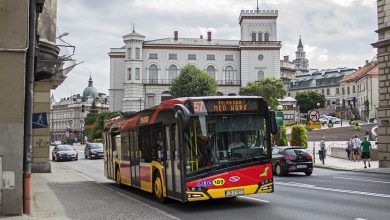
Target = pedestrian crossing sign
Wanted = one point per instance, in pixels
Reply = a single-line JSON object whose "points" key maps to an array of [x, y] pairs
{"points": [[39, 120]]}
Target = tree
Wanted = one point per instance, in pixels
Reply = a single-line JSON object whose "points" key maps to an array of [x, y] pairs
{"points": [[193, 82], [298, 136], [283, 140], [270, 89], [308, 100]]}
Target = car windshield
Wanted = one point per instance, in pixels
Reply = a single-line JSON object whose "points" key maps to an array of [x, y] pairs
{"points": [[97, 146], [65, 148], [295, 152], [224, 140]]}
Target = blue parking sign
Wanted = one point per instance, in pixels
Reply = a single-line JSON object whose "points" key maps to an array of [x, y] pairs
{"points": [[39, 120]]}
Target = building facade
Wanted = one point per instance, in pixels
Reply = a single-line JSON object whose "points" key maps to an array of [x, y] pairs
{"points": [[68, 114], [142, 71], [383, 112], [301, 63]]}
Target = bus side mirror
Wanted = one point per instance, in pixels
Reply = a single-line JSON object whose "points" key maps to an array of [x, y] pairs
{"points": [[183, 114], [273, 126]]}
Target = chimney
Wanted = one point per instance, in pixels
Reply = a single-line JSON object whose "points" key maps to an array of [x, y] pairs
{"points": [[285, 58], [201, 36], [366, 62], [208, 35], [176, 35]]}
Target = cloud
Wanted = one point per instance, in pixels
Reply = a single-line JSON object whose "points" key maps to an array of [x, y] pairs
{"points": [[334, 32]]}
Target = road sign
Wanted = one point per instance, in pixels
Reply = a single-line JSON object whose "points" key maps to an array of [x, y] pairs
{"points": [[39, 120], [314, 125], [279, 118], [314, 116]]}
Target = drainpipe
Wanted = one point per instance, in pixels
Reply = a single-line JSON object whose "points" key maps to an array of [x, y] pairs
{"points": [[28, 107]]}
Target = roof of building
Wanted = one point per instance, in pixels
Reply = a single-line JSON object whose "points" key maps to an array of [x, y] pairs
{"points": [[90, 91], [194, 42], [368, 69]]}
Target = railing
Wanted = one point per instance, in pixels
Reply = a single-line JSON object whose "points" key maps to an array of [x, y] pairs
{"points": [[261, 43], [228, 82], [169, 81]]}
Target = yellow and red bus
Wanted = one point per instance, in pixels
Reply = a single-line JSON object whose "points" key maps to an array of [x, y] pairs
{"points": [[195, 148]]}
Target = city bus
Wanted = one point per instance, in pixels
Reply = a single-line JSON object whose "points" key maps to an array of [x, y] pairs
{"points": [[192, 149]]}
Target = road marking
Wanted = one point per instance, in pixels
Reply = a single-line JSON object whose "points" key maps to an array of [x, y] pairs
{"points": [[374, 181], [333, 190], [259, 200], [360, 219]]}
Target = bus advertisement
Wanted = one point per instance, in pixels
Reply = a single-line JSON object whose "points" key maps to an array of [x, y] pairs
{"points": [[192, 149]]}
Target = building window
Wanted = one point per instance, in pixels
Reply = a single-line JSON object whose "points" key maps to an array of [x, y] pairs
{"points": [[137, 73], [128, 73], [129, 53], [327, 91], [253, 36], [229, 57], [191, 57], [229, 74], [322, 91], [348, 90], [150, 101], [260, 36], [211, 71], [266, 37], [153, 56], [353, 89], [337, 91], [260, 75], [153, 73], [137, 53], [172, 56], [210, 57], [328, 102], [342, 91], [172, 70]]}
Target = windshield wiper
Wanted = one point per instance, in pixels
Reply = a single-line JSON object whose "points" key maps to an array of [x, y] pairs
{"points": [[217, 167]]}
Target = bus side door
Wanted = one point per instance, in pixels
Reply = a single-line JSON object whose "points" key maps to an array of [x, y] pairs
{"points": [[172, 162], [134, 158]]}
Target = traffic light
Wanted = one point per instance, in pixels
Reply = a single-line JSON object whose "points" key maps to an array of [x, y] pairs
{"points": [[82, 108]]}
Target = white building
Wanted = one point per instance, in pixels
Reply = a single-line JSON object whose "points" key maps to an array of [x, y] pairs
{"points": [[142, 71]]}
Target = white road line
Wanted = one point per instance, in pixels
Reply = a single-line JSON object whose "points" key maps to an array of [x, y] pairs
{"points": [[251, 198], [360, 219], [333, 190], [374, 181]]}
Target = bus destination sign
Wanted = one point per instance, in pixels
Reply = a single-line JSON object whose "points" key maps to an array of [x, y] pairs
{"points": [[220, 106]]}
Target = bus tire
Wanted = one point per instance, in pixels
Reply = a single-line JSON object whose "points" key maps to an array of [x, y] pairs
{"points": [[118, 176], [158, 188]]}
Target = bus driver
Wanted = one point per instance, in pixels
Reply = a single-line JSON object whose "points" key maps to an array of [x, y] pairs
{"points": [[236, 142]]}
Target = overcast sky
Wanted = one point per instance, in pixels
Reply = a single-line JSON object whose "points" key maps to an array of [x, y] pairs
{"points": [[335, 33]]}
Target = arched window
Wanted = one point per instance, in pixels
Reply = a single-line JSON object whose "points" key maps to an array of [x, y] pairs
{"points": [[211, 71], [172, 71], [253, 36], [229, 75], [266, 37], [260, 75], [153, 73], [260, 36]]}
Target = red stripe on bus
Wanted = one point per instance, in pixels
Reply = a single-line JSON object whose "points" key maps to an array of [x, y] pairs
{"points": [[145, 173]]}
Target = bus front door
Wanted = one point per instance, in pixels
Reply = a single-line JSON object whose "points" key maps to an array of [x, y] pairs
{"points": [[172, 162]]}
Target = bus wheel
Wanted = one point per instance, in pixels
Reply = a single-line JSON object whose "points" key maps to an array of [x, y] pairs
{"points": [[118, 176], [158, 188]]}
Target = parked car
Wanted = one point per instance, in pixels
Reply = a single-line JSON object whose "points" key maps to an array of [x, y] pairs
{"points": [[334, 119], [291, 159], [55, 143], [93, 150], [324, 119], [64, 152]]}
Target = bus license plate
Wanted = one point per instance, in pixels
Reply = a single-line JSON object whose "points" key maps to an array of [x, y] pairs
{"points": [[235, 192]]}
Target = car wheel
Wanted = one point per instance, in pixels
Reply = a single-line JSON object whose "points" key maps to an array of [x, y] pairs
{"points": [[158, 188], [279, 170], [77, 157], [53, 158], [308, 173], [85, 156]]}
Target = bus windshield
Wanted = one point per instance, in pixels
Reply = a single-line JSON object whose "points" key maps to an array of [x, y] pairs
{"points": [[216, 141]]}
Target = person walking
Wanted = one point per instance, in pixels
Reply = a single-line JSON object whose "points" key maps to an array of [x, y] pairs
{"points": [[349, 148], [356, 146], [366, 150]]}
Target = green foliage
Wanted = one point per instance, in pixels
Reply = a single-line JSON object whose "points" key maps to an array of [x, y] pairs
{"points": [[95, 123], [98, 140], [357, 127], [288, 123], [308, 100], [352, 120], [298, 136], [270, 89], [193, 82], [330, 123], [280, 141]]}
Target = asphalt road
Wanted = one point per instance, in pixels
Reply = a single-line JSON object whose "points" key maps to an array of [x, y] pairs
{"points": [[327, 194]]}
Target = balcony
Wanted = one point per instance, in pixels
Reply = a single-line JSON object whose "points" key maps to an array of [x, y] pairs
{"points": [[169, 82], [261, 43]]}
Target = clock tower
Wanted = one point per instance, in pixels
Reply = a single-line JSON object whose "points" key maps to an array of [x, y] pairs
{"points": [[301, 63]]}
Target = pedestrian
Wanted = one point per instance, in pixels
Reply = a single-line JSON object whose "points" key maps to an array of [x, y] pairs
{"points": [[348, 148], [367, 133], [366, 150], [356, 146]]}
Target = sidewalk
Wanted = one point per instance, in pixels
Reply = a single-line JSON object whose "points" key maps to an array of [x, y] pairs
{"points": [[66, 194], [344, 164]]}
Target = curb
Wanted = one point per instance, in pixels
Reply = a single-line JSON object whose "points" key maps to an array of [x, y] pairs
{"points": [[352, 170]]}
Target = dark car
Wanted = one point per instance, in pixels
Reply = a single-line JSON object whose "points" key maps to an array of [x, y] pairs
{"points": [[291, 159], [93, 150], [64, 152]]}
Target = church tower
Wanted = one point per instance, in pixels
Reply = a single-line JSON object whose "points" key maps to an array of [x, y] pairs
{"points": [[301, 63]]}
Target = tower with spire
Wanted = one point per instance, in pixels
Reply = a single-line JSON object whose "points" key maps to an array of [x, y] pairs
{"points": [[301, 63]]}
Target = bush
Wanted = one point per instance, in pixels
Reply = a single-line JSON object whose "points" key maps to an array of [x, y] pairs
{"points": [[98, 140], [288, 123], [352, 120], [280, 141], [357, 127], [330, 123], [298, 136]]}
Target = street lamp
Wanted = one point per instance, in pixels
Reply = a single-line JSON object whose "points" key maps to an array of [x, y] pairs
{"points": [[294, 108]]}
